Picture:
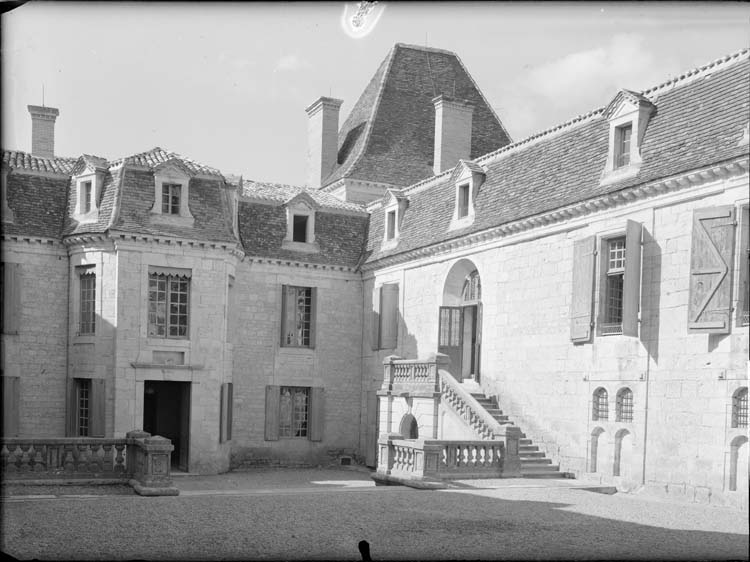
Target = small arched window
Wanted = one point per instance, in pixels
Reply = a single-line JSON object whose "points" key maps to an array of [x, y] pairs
{"points": [[624, 407], [739, 407], [599, 406], [472, 290]]}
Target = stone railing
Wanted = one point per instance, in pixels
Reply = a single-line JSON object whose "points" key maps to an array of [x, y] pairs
{"points": [[441, 459], [409, 375], [139, 459], [468, 409]]}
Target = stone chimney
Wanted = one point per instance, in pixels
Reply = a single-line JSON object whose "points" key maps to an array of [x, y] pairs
{"points": [[322, 139], [43, 130], [452, 132]]}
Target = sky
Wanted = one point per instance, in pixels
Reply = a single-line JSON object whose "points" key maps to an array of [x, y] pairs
{"points": [[227, 84]]}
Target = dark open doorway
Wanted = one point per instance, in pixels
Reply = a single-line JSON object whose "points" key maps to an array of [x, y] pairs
{"points": [[166, 412]]}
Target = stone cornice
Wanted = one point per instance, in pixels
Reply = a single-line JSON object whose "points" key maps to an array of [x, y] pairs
{"points": [[298, 264], [233, 248], [628, 195], [7, 238]]}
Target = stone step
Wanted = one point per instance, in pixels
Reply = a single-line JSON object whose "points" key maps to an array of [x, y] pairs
{"points": [[528, 448], [535, 461], [530, 454], [539, 474], [524, 441]]}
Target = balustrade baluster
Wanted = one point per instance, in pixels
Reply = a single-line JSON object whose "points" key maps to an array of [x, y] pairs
{"points": [[69, 460], [23, 458], [40, 454], [120, 459]]}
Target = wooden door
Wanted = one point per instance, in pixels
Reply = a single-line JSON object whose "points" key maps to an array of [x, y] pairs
{"points": [[450, 338], [184, 435]]}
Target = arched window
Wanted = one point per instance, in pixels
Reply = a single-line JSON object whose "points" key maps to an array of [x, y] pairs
{"points": [[472, 290], [739, 407], [624, 407], [409, 428], [599, 406]]}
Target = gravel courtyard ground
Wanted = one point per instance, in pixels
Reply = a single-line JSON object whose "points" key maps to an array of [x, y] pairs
{"points": [[323, 514]]}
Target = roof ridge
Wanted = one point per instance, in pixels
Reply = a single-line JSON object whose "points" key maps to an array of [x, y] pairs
{"points": [[423, 48]]}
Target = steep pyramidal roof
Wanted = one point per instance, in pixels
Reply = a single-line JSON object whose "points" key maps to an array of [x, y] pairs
{"points": [[389, 134]]}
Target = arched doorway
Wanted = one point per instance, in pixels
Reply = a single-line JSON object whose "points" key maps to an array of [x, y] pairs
{"points": [[409, 429], [460, 320]]}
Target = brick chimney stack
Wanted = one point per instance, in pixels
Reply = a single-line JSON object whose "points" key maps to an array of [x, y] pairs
{"points": [[322, 139], [43, 130], [452, 132]]}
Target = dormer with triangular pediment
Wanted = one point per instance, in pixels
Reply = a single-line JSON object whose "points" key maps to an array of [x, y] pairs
{"points": [[300, 223], [628, 115], [395, 204], [88, 177], [172, 192], [467, 177]]}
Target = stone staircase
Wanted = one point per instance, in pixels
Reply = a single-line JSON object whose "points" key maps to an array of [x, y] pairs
{"points": [[534, 463]]}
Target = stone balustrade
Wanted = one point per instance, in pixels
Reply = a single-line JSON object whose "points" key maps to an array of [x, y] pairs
{"points": [[139, 459], [409, 375], [441, 459]]}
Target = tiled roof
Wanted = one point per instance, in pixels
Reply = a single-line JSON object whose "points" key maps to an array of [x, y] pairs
{"points": [[389, 135], [24, 160], [281, 193], [156, 156], [697, 122]]}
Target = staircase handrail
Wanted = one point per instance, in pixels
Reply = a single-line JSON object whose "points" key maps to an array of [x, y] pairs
{"points": [[493, 426]]}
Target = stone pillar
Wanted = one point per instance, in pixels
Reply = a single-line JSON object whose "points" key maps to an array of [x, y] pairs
{"points": [[148, 460], [512, 459]]}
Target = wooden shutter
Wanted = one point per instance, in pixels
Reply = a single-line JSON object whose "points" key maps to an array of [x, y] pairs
{"points": [[97, 400], [631, 292], [225, 415], [11, 397], [272, 413], [582, 302], [389, 316], [372, 429], [743, 287], [72, 413], [709, 305], [313, 314], [375, 336], [316, 413], [284, 304], [11, 298]]}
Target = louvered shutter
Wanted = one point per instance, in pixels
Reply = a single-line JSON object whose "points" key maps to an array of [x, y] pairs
{"points": [[389, 316], [11, 397], [11, 298], [709, 304], [72, 414], [225, 415], [582, 302], [313, 314], [631, 292], [375, 318], [284, 320], [317, 413], [743, 287], [97, 400], [272, 413]]}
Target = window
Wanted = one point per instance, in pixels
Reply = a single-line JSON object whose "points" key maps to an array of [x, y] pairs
{"points": [[294, 412], [614, 283], [83, 392], [599, 406], [299, 233], [739, 407], [297, 316], [472, 290], [170, 198], [225, 414], [87, 284], [624, 407], [463, 200], [391, 227], [168, 305], [87, 188], [622, 148], [385, 317], [11, 292]]}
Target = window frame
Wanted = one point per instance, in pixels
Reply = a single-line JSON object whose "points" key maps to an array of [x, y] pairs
{"points": [[170, 191], [167, 303], [608, 325], [600, 404], [86, 300], [298, 426], [170, 174], [88, 194], [624, 408], [623, 140], [83, 413], [739, 408], [289, 339]]}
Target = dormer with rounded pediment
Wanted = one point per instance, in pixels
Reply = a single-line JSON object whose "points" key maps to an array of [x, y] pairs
{"points": [[395, 204], [172, 193], [88, 178], [300, 224], [628, 115], [467, 177]]}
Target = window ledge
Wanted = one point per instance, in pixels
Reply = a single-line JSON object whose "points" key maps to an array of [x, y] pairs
{"points": [[307, 247], [172, 220], [80, 339], [389, 244], [181, 343], [90, 217], [296, 350], [463, 222], [137, 365], [619, 174]]}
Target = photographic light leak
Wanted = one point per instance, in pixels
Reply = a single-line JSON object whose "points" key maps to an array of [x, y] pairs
{"points": [[358, 20]]}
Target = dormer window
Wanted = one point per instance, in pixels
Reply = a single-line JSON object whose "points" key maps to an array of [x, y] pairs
{"points": [[300, 224], [622, 148], [172, 193], [628, 115], [467, 177], [88, 194], [394, 208], [7, 212]]}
